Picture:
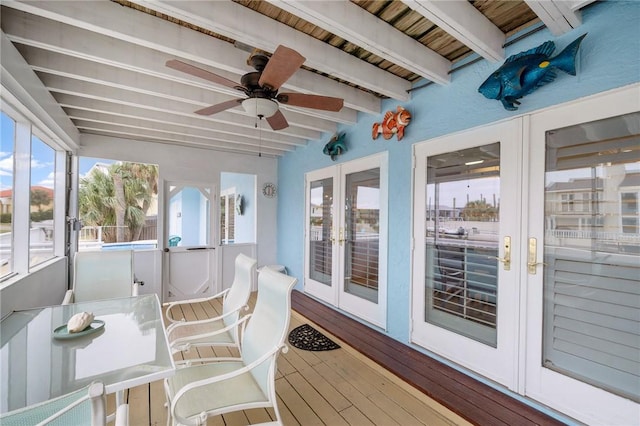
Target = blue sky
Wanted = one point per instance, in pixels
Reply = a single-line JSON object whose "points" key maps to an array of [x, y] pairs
{"points": [[42, 158]]}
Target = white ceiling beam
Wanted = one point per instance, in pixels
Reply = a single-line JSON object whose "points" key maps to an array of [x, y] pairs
{"points": [[71, 67], [97, 91], [118, 108], [464, 22], [355, 24], [126, 25], [173, 127], [140, 127], [558, 16], [19, 80], [95, 138], [223, 17], [111, 130]]}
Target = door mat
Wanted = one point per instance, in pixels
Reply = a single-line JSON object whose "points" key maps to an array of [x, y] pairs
{"points": [[308, 338]]}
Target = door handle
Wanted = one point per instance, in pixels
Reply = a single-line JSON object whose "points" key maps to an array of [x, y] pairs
{"points": [[532, 257], [341, 239], [506, 260]]}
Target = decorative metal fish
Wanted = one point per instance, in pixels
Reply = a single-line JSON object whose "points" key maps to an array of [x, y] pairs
{"points": [[336, 146], [524, 72], [392, 124]]}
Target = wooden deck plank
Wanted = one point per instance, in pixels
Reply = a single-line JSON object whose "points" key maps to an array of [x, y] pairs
{"points": [[318, 404], [462, 394]]}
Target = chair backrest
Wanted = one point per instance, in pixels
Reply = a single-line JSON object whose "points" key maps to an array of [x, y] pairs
{"points": [[82, 407], [267, 328], [240, 290], [102, 274]]}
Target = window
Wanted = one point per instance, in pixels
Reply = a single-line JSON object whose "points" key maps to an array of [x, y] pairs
{"points": [[118, 205], [32, 169], [237, 208], [630, 213], [41, 202], [7, 139], [227, 216]]}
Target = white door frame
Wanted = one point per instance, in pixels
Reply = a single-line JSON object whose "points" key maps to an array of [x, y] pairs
{"points": [[498, 363], [575, 398]]}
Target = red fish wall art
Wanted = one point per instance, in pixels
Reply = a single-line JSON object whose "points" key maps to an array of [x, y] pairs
{"points": [[392, 124]]}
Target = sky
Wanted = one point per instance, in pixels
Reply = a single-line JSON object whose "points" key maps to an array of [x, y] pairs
{"points": [[42, 158]]}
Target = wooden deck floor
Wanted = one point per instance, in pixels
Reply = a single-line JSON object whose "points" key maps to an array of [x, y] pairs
{"points": [[338, 387]]}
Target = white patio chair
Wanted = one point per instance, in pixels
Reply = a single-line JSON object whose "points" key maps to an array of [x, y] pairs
{"points": [[102, 275], [221, 330], [197, 392], [82, 407]]}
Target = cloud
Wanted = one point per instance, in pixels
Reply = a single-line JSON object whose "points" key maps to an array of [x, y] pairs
{"points": [[48, 181], [6, 165]]}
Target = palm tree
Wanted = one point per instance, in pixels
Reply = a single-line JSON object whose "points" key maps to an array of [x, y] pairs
{"points": [[479, 210], [120, 195]]}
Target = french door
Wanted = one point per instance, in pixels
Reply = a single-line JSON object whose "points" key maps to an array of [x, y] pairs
{"points": [[527, 255], [345, 243], [465, 263], [583, 259]]}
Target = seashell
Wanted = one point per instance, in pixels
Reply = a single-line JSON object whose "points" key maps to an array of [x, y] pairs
{"points": [[79, 322]]}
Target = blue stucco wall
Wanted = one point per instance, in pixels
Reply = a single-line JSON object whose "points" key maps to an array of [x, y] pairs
{"points": [[609, 58]]}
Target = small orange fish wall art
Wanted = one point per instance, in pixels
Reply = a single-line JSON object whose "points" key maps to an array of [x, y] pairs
{"points": [[392, 124]]}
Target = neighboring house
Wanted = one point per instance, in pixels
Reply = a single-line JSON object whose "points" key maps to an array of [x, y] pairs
{"points": [[6, 200]]}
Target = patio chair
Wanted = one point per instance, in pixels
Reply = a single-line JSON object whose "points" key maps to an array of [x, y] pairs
{"points": [[225, 385], [221, 330], [102, 275], [82, 407]]}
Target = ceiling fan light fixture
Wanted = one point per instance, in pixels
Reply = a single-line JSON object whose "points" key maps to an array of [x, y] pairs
{"points": [[260, 107]]}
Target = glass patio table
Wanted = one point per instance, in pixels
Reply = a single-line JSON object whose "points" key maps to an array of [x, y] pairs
{"points": [[130, 350]]}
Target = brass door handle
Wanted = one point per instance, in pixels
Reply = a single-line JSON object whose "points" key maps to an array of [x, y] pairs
{"points": [[506, 260], [341, 239], [532, 259]]}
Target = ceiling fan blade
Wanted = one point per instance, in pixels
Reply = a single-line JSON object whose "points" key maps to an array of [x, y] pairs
{"points": [[325, 103], [213, 109], [282, 64], [199, 72], [277, 121]]}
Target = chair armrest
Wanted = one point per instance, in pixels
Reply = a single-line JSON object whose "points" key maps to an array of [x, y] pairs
{"points": [[170, 318], [68, 297], [181, 341], [122, 415]]}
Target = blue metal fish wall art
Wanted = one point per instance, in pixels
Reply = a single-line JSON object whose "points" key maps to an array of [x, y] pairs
{"points": [[524, 72], [336, 146]]}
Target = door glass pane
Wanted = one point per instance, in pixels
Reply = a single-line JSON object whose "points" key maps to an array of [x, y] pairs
{"points": [[189, 214], [362, 234], [463, 222], [321, 230], [592, 254], [41, 197]]}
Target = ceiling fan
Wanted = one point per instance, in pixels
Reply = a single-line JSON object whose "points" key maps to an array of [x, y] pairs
{"points": [[261, 87]]}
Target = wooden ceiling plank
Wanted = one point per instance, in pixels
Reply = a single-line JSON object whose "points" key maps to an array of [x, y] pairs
{"points": [[257, 30], [465, 23], [355, 24], [112, 26]]}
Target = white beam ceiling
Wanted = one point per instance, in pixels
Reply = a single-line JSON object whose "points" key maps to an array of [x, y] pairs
{"points": [[558, 16]]}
